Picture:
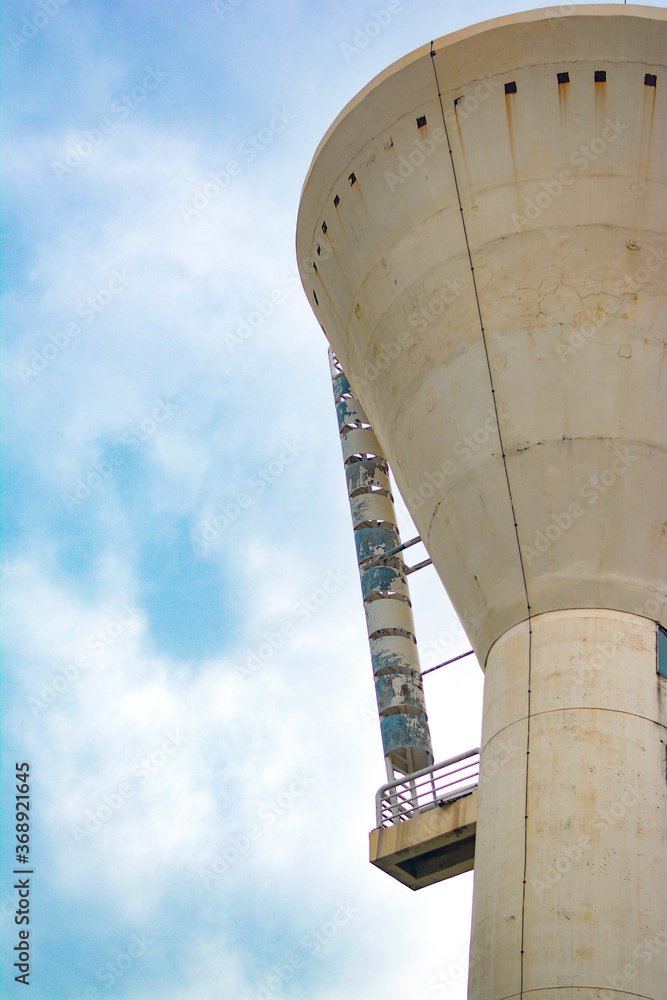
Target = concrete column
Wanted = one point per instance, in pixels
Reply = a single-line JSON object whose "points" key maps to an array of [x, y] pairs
{"points": [[571, 851]]}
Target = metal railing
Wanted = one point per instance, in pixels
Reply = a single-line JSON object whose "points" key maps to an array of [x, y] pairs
{"points": [[432, 786]]}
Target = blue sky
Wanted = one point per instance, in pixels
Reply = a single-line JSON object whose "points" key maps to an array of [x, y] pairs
{"points": [[173, 496]]}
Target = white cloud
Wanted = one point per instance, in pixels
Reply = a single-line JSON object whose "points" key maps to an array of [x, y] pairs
{"points": [[307, 711]]}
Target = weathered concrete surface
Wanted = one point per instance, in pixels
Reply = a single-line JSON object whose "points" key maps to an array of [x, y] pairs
{"points": [[490, 218], [594, 786], [446, 833]]}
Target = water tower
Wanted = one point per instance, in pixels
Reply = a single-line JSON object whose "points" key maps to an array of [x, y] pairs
{"points": [[484, 232]]}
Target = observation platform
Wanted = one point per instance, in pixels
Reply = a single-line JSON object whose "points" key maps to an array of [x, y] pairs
{"points": [[427, 821]]}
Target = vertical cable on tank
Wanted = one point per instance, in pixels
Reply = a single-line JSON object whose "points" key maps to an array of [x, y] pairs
{"points": [[511, 500]]}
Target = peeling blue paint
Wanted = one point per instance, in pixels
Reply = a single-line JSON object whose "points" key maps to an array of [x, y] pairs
{"points": [[400, 731], [366, 474], [349, 411], [399, 691], [374, 541], [392, 661], [400, 696], [380, 579], [341, 385]]}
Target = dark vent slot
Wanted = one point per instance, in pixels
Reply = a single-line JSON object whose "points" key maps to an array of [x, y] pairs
{"points": [[421, 121], [600, 75], [324, 227], [315, 297], [650, 80], [352, 179], [336, 201], [563, 77], [510, 88]]}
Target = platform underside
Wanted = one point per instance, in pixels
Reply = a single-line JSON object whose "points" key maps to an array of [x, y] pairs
{"points": [[430, 847]]}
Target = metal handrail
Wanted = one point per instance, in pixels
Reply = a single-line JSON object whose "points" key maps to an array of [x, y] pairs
{"points": [[425, 789]]}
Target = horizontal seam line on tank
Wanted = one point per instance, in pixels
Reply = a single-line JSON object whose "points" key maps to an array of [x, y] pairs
{"points": [[578, 708], [580, 63], [599, 437], [588, 613], [570, 62], [472, 471], [654, 233], [605, 989]]}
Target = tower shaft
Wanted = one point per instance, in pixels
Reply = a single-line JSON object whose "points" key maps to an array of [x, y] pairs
{"points": [[570, 893]]}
